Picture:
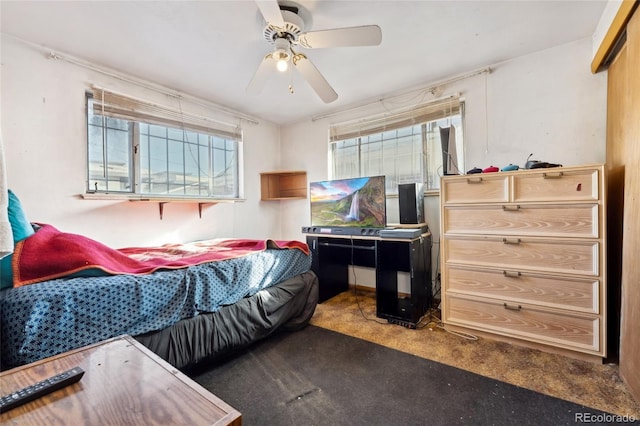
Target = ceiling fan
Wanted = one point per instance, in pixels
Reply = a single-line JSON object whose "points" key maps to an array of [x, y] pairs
{"points": [[285, 29]]}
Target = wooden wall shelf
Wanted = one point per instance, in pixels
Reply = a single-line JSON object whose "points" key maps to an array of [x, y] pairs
{"points": [[283, 185], [202, 202]]}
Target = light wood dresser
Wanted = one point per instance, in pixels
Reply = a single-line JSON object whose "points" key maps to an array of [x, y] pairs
{"points": [[523, 257]]}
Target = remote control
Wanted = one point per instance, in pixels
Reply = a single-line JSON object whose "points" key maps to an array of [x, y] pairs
{"points": [[35, 391]]}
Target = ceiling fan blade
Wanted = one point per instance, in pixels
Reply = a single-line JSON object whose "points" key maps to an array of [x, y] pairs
{"points": [[270, 10], [266, 67], [314, 78], [368, 35]]}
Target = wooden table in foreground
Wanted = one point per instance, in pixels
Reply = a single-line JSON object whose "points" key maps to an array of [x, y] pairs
{"points": [[124, 383]]}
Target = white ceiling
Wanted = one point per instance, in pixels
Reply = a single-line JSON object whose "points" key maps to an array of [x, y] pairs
{"points": [[212, 48]]}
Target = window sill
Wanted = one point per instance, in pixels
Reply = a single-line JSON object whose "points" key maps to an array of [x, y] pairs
{"points": [[201, 201]]}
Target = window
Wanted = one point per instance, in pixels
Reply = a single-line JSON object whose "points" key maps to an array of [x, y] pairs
{"points": [[405, 147], [139, 148]]}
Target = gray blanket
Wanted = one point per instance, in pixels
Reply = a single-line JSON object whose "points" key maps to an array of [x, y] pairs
{"points": [[288, 305]]}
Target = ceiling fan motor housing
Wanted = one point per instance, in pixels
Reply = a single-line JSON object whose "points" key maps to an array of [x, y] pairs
{"points": [[293, 27]]}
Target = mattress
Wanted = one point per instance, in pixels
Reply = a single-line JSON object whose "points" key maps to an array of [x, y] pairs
{"points": [[55, 316]]}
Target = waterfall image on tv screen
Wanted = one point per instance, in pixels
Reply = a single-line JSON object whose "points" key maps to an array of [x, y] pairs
{"points": [[357, 202]]}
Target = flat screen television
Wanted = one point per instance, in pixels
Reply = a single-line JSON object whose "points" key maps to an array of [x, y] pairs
{"points": [[355, 202]]}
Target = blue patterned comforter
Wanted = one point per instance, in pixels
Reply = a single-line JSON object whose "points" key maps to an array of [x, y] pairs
{"points": [[44, 319]]}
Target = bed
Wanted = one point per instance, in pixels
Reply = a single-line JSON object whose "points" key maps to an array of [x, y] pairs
{"points": [[186, 302]]}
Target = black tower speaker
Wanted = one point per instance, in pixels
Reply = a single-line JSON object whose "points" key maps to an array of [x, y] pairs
{"points": [[411, 199]]}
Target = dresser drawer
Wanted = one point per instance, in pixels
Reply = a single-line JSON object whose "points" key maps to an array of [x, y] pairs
{"points": [[525, 321], [569, 256], [576, 294], [493, 188], [568, 220], [556, 184]]}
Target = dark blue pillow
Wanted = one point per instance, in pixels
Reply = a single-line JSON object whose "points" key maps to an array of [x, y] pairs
{"points": [[21, 229]]}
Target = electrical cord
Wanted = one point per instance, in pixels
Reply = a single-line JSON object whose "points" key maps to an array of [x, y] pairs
{"points": [[434, 321], [464, 335], [438, 321], [436, 279], [431, 317]]}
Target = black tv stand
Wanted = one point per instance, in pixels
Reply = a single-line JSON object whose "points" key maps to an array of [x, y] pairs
{"points": [[332, 255]]}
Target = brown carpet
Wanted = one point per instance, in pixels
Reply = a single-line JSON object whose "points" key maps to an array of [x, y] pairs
{"points": [[594, 385]]}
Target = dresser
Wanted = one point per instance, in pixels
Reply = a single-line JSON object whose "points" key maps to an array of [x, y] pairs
{"points": [[523, 257]]}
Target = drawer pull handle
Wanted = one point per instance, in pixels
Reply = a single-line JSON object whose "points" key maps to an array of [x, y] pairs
{"points": [[511, 208], [507, 241], [512, 308], [477, 180], [512, 274], [552, 176]]}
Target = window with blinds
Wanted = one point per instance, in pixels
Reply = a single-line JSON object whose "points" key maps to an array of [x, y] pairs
{"points": [[404, 146], [139, 147]]}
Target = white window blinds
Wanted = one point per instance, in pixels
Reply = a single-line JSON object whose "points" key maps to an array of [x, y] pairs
{"points": [[111, 104], [422, 114]]}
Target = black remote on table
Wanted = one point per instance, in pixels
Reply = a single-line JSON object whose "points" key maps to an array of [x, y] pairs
{"points": [[35, 391]]}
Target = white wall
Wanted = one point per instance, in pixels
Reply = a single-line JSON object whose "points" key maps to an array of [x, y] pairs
{"points": [[44, 131], [547, 103]]}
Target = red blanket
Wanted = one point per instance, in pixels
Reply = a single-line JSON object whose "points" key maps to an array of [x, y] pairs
{"points": [[50, 254]]}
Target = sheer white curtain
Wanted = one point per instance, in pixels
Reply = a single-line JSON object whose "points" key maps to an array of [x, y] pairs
{"points": [[6, 237]]}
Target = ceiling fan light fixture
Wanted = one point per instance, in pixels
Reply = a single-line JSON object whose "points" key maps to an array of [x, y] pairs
{"points": [[283, 64], [281, 54]]}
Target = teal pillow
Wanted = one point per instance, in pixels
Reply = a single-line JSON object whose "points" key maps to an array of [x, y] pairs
{"points": [[21, 229], [20, 226], [6, 274]]}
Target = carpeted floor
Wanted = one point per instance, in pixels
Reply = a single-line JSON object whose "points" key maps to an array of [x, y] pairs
{"points": [[593, 385], [317, 376]]}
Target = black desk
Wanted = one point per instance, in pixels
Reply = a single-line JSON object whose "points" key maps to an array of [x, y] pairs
{"points": [[332, 255]]}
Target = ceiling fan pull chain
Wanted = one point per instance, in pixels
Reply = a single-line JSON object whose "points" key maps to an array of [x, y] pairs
{"points": [[291, 77]]}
